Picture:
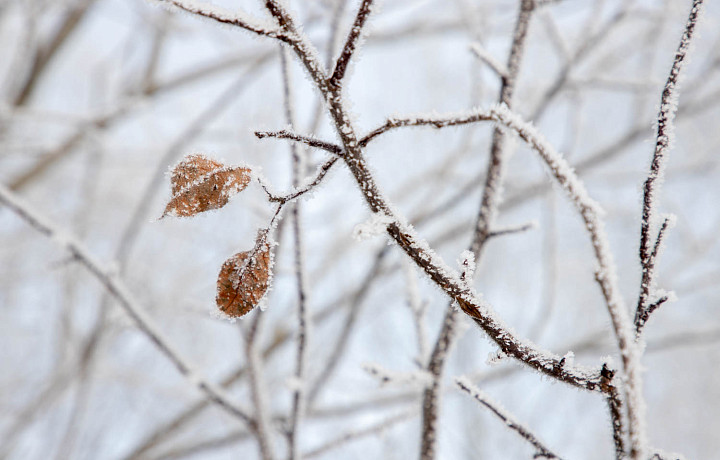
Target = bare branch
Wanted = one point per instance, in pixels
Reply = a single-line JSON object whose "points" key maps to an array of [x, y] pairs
{"points": [[616, 417], [350, 44], [307, 140], [590, 213], [224, 16], [495, 65], [507, 418], [320, 175], [665, 128], [644, 315]]}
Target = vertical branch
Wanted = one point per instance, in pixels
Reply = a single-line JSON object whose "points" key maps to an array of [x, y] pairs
{"points": [[494, 174], [298, 167], [350, 44], [616, 418], [665, 128], [262, 428], [486, 218], [541, 451]]}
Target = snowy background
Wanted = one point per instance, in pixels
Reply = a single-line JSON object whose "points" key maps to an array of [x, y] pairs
{"points": [[88, 129]]}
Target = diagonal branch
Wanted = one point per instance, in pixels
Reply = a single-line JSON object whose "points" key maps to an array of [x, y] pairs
{"points": [[407, 238], [307, 140], [665, 128], [320, 175], [225, 16], [350, 44], [507, 418], [126, 300]]}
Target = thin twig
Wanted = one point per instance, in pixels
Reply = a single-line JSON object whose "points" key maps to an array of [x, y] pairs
{"points": [[263, 429], [350, 44], [409, 240], [307, 140], [485, 56], [646, 312], [319, 176], [665, 128], [507, 418], [224, 16], [511, 230]]}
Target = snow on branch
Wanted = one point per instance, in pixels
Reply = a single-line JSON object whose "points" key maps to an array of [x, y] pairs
{"points": [[110, 280], [307, 140], [590, 212], [351, 43], [322, 171], [224, 16], [542, 452], [664, 139], [484, 55]]}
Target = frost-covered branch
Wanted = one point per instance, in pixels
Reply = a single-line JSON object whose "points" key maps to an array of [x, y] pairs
{"points": [[307, 140], [590, 213], [512, 230], [644, 315], [665, 128], [615, 406], [322, 171], [351, 43], [421, 254], [484, 55], [436, 365], [126, 300], [408, 239], [508, 419], [224, 16]]}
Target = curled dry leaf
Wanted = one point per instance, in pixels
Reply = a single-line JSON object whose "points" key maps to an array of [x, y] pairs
{"points": [[244, 278], [200, 184]]}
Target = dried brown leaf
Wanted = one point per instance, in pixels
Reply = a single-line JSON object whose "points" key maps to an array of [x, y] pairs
{"points": [[201, 184], [244, 279]]}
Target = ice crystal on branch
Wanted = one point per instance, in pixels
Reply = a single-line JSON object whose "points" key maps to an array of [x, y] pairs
{"points": [[374, 226]]}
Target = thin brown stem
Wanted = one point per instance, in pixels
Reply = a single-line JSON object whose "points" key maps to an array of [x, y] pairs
{"points": [[350, 44], [665, 128], [307, 140]]}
